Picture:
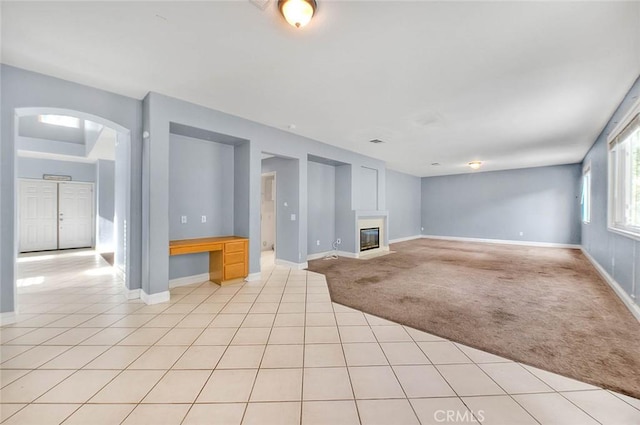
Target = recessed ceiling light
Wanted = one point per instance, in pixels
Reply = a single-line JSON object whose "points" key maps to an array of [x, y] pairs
{"points": [[475, 164], [60, 120], [376, 141]]}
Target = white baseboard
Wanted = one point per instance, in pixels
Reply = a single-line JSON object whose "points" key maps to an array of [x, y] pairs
{"points": [[319, 255], [132, 294], [504, 242], [254, 276], [408, 238], [347, 254], [8, 318], [621, 293], [295, 266], [188, 280], [160, 297]]}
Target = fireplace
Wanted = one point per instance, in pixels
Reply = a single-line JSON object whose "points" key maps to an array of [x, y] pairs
{"points": [[369, 238]]}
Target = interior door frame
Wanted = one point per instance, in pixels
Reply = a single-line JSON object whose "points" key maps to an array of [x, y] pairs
{"points": [[93, 209], [275, 211]]}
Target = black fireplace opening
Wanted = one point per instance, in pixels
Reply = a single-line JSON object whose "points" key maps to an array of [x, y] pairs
{"points": [[369, 238]]}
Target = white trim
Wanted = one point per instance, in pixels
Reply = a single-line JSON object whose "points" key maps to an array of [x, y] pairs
{"points": [[504, 242], [621, 293], [160, 297], [622, 232], [408, 238], [132, 294], [188, 280], [622, 123], [254, 276], [119, 272], [347, 254], [8, 318], [319, 255], [295, 266]]}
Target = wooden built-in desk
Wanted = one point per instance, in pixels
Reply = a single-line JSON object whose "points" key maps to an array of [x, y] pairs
{"points": [[228, 256]]}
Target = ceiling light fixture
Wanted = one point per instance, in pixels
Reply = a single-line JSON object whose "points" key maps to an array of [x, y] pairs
{"points": [[475, 164], [297, 12]]}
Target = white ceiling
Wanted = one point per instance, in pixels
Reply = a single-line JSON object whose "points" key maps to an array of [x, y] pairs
{"points": [[514, 84]]}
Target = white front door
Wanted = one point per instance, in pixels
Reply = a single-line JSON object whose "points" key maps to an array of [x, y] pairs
{"points": [[75, 211], [38, 215]]}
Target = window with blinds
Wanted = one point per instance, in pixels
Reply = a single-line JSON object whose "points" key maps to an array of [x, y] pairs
{"points": [[624, 178]]}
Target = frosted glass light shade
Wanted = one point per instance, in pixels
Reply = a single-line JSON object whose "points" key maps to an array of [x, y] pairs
{"points": [[297, 12]]}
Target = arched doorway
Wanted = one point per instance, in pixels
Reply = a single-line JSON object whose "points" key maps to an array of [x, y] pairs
{"points": [[121, 174]]}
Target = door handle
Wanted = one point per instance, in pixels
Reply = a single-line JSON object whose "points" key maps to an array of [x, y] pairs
{"points": [[62, 219]]}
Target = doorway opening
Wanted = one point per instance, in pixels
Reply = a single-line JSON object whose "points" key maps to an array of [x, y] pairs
{"points": [[268, 207], [73, 190]]}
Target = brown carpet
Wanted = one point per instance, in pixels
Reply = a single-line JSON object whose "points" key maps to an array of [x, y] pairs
{"points": [[545, 307]]}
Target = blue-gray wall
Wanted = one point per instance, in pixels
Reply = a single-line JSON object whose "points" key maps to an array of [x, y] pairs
{"points": [[368, 192], [619, 255], [34, 168], [543, 203], [105, 188], [321, 190], [403, 204], [160, 111], [345, 215], [200, 184], [25, 89], [287, 203]]}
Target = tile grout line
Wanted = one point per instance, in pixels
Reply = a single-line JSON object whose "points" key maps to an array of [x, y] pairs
{"points": [[346, 366]]}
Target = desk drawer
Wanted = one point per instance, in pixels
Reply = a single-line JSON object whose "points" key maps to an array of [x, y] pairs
{"points": [[233, 258], [191, 249], [234, 271], [234, 246]]}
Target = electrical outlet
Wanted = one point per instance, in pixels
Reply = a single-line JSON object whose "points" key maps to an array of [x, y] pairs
{"points": [[183, 219], [521, 233], [422, 228], [318, 242], [293, 217], [204, 218], [338, 241]]}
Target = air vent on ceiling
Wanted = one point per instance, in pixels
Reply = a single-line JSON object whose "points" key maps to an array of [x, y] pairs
{"points": [[260, 4], [376, 141]]}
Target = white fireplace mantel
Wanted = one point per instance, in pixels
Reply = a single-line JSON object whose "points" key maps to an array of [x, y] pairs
{"points": [[365, 219]]}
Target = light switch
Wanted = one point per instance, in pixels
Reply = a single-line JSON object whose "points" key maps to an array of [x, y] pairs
{"points": [[293, 217], [183, 219], [204, 218]]}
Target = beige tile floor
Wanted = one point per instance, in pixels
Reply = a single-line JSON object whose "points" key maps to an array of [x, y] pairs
{"points": [[275, 351]]}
